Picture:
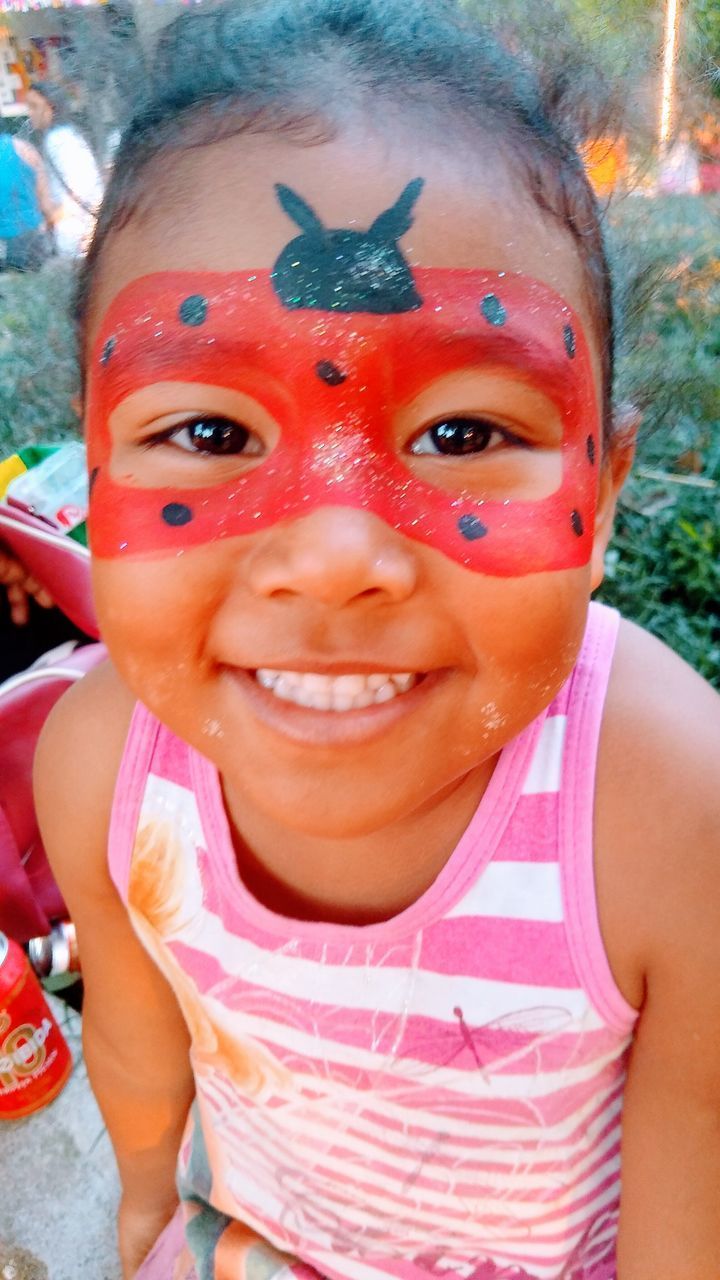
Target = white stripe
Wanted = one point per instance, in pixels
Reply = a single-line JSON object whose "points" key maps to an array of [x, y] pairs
{"points": [[372, 984], [514, 891], [255, 1182], [260, 1207], [299, 1135], [344, 1104], [405, 1072], [545, 772], [164, 799]]}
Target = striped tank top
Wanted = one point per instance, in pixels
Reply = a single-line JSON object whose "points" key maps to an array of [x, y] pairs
{"points": [[437, 1095]]}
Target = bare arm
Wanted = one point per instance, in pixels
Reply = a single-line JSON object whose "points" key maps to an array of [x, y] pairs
{"points": [[32, 157], [659, 896], [135, 1040]]}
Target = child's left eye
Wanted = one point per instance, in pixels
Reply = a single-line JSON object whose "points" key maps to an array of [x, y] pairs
{"points": [[457, 437], [212, 435]]}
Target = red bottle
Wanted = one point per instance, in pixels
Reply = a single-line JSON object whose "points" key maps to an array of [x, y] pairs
{"points": [[35, 1061]]}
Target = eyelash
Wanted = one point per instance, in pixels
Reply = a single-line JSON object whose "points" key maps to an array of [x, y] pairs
{"points": [[210, 420], [468, 427], [468, 424]]}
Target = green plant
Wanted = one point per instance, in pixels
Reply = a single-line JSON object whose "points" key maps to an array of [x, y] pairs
{"points": [[663, 569], [39, 376]]}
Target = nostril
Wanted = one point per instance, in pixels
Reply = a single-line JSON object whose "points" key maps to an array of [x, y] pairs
{"points": [[369, 593]]}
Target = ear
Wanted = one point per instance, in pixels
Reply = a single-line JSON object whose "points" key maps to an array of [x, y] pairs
{"points": [[299, 210], [394, 222], [616, 462]]}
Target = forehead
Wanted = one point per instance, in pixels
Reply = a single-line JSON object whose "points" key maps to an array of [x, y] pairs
{"points": [[214, 208]]}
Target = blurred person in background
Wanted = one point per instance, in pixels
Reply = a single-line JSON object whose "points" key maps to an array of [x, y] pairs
{"points": [[679, 167], [73, 175], [26, 207]]}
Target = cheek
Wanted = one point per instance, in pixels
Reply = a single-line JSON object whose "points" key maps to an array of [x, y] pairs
{"points": [[526, 633], [154, 616]]}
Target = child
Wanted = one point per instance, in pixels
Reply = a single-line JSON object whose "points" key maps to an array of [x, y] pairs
{"points": [[349, 886]]}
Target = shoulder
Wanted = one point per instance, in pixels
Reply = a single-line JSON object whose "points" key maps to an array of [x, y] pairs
{"points": [[76, 764], [657, 814], [661, 723]]}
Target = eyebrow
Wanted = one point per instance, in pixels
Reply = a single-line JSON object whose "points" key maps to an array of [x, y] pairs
{"points": [[508, 350]]}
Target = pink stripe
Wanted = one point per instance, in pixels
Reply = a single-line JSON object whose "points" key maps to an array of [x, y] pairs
{"points": [[514, 1114], [531, 952], [454, 1043], [128, 796], [171, 760], [469, 1176], [459, 1230], [531, 834], [415, 1192], [539, 1155], [528, 952]]}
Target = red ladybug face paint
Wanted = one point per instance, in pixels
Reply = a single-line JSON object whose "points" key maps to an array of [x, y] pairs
{"points": [[333, 382]]}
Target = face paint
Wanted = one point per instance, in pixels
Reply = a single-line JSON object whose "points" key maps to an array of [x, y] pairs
{"points": [[364, 336]]}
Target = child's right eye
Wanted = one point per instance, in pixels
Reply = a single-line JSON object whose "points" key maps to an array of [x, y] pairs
{"points": [[216, 436]]}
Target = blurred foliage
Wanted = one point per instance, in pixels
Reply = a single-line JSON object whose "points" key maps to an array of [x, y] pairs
{"points": [[39, 378], [663, 568]]}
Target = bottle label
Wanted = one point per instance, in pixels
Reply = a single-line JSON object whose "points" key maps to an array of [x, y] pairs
{"points": [[35, 1060]]}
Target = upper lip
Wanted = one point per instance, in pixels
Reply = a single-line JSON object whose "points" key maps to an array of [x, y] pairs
{"points": [[345, 668]]}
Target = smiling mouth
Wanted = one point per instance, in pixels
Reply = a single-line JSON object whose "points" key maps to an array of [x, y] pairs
{"points": [[341, 693]]}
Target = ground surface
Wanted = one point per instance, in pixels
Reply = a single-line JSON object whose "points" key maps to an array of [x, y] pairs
{"points": [[59, 1185]]}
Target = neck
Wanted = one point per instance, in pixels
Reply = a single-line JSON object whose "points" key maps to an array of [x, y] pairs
{"points": [[357, 880]]}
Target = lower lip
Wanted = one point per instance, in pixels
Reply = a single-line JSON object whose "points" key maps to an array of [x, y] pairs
{"points": [[310, 727]]}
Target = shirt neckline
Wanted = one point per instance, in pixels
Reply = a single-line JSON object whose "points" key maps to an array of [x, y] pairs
{"points": [[474, 850]]}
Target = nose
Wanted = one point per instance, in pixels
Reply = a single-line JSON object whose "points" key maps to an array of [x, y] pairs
{"points": [[335, 556]]}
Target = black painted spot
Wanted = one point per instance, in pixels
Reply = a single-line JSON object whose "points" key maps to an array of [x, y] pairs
{"points": [[193, 311], [493, 310], [472, 528], [176, 514], [569, 340], [107, 350], [92, 478], [577, 523], [591, 450], [329, 373]]}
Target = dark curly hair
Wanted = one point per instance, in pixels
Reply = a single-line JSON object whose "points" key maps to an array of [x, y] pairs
{"points": [[306, 67]]}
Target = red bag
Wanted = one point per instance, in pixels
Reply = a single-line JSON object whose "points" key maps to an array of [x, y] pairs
{"points": [[58, 562], [29, 897]]}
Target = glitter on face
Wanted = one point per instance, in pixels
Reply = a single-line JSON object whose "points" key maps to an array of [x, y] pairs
{"points": [[342, 449], [569, 340]]}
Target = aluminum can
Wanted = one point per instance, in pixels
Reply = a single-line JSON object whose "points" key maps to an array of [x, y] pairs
{"points": [[35, 1061], [56, 954]]}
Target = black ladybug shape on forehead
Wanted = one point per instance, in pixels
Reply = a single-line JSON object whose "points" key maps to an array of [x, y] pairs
{"points": [[354, 271]]}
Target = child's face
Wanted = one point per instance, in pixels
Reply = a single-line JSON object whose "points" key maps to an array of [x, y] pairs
{"points": [[325, 452]]}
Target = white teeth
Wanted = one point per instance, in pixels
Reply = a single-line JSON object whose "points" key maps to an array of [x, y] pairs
{"points": [[335, 693], [404, 682], [266, 678]]}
